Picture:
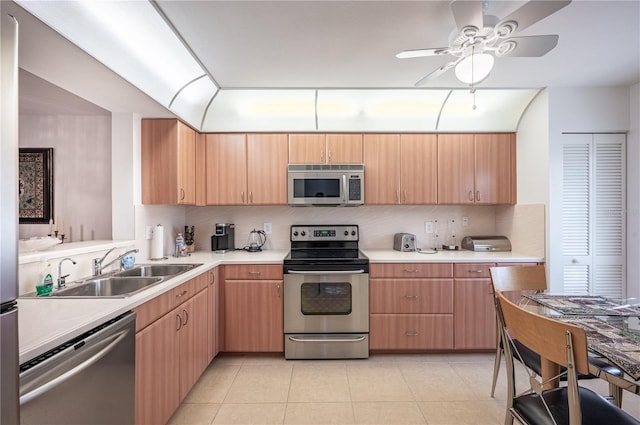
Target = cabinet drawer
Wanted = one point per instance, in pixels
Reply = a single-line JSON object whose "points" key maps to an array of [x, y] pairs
{"points": [[188, 289], [411, 296], [473, 270], [410, 270], [253, 271], [411, 331]]}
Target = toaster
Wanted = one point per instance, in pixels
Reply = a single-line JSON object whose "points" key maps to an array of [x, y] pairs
{"points": [[405, 242]]}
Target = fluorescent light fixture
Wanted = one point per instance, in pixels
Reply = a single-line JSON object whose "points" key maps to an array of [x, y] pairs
{"points": [[474, 68], [132, 39]]}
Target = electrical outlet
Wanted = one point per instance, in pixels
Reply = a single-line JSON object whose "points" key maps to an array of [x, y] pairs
{"points": [[267, 228], [148, 232], [465, 221], [428, 226]]}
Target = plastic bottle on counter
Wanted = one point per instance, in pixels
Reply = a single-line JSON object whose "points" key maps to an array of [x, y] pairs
{"points": [[180, 249], [45, 279]]}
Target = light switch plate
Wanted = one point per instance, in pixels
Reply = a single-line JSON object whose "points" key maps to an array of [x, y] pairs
{"points": [[267, 228]]}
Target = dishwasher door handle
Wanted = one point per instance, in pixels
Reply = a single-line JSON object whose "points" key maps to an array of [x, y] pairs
{"points": [[49, 385]]}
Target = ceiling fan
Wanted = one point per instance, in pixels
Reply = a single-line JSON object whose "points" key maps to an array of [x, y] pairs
{"points": [[480, 37]]}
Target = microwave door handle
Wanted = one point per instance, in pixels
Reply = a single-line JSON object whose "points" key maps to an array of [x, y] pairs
{"points": [[344, 188]]}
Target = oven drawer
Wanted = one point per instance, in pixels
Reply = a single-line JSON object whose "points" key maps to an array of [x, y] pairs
{"points": [[253, 271], [326, 346]]}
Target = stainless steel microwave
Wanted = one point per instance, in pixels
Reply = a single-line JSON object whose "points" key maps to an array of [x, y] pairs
{"points": [[326, 184]]}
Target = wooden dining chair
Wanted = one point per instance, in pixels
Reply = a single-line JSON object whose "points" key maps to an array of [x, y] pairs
{"points": [[513, 282], [564, 345]]}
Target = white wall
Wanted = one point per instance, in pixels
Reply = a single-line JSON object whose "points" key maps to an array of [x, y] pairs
{"points": [[81, 172], [575, 110], [633, 194]]}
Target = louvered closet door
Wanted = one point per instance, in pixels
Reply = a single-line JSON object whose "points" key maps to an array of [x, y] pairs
{"points": [[593, 220]]}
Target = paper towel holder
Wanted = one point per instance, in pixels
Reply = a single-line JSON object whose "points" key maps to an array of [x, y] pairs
{"points": [[157, 244]]}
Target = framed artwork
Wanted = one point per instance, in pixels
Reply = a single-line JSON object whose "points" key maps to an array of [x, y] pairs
{"points": [[35, 185]]}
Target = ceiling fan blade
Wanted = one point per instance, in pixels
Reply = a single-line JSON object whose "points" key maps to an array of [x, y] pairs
{"points": [[532, 46], [435, 74], [532, 12], [420, 53], [467, 13]]}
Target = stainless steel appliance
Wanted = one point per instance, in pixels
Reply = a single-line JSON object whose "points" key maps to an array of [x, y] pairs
{"points": [[224, 238], [326, 294], [405, 242], [486, 243], [326, 184], [9, 411], [88, 380]]}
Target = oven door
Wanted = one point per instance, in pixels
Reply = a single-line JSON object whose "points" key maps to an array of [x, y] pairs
{"points": [[326, 302]]}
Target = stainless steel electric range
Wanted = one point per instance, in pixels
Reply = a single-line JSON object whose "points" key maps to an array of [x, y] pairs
{"points": [[326, 294]]}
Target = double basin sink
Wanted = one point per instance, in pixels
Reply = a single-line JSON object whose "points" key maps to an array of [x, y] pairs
{"points": [[124, 283]]}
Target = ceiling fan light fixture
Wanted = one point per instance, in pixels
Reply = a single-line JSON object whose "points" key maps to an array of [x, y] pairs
{"points": [[474, 68]]}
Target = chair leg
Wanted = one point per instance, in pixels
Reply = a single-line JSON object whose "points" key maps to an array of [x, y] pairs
{"points": [[496, 369], [616, 395]]}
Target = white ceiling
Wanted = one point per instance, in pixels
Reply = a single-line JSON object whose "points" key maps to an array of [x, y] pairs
{"points": [[345, 45], [316, 44]]}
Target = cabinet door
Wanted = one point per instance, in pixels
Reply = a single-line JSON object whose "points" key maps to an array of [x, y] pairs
{"points": [[419, 169], [157, 393], [307, 148], [186, 164], [267, 156], [213, 309], [493, 170], [382, 169], [475, 317], [226, 169], [456, 169], [344, 148], [193, 340], [253, 316]]}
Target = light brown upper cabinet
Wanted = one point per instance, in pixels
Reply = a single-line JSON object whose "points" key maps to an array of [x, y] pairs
{"points": [[476, 169], [325, 148], [249, 169], [168, 148], [400, 169]]}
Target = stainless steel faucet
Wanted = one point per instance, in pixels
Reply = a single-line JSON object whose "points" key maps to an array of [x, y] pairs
{"points": [[97, 262], [61, 279]]}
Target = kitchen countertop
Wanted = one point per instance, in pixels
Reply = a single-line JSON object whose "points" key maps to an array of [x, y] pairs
{"points": [[461, 256], [45, 323]]}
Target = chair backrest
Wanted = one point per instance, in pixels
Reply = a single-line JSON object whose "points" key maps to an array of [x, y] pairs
{"points": [[519, 278], [545, 336]]}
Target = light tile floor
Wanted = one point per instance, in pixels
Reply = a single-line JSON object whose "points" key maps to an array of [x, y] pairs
{"points": [[431, 389]]}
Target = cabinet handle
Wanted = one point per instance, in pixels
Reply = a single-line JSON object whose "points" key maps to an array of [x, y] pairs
{"points": [[411, 333], [471, 196], [179, 322], [321, 156], [250, 272], [242, 195], [474, 271], [212, 278], [398, 196], [478, 196], [182, 194], [181, 294], [404, 195], [186, 317], [411, 297], [251, 197], [329, 156], [278, 290], [411, 271]]}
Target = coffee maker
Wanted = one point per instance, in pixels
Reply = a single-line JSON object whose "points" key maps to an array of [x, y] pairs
{"points": [[224, 238]]}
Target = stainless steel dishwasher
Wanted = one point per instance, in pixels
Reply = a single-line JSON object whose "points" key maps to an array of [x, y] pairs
{"points": [[88, 380]]}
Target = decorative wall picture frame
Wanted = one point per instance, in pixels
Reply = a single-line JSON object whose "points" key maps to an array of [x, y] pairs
{"points": [[35, 185]]}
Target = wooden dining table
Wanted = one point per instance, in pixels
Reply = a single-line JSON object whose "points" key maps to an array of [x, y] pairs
{"points": [[612, 328]]}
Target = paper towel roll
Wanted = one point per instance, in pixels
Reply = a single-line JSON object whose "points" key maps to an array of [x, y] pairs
{"points": [[157, 243]]}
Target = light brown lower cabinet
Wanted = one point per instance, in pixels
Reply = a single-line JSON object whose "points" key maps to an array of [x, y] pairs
{"points": [[171, 350]]}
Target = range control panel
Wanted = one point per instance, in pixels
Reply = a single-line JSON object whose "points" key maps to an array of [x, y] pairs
{"points": [[341, 232]]}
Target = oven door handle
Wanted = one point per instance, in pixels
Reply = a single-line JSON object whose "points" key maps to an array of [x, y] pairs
{"points": [[360, 271], [311, 339]]}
